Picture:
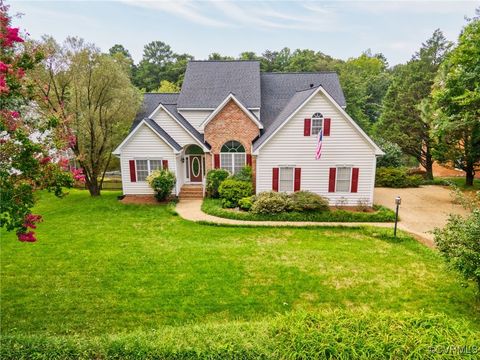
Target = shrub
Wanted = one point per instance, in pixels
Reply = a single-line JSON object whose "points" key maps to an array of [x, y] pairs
{"points": [[162, 182], [393, 154], [459, 244], [308, 201], [231, 191], [271, 202], [246, 203], [396, 178], [214, 179], [244, 175]]}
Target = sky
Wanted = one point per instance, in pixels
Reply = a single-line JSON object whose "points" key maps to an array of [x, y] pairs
{"points": [[342, 29]]}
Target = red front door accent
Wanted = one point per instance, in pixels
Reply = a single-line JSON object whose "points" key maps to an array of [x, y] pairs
{"points": [[195, 167]]}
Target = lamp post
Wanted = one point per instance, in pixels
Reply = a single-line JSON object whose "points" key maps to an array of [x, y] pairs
{"points": [[398, 201]]}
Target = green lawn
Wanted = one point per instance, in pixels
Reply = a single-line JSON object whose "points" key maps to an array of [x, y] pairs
{"points": [[456, 181], [101, 268]]}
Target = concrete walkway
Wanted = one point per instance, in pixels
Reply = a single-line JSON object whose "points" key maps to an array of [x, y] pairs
{"points": [[422, 210], [191, 210]]}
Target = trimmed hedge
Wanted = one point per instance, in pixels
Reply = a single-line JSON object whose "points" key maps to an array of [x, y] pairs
{"points": [[382, 214], [214, 179], [396, 178], [301, 335], [231, 191]]}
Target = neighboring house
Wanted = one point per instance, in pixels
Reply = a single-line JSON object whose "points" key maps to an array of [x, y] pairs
{"points": [[228, 114]]}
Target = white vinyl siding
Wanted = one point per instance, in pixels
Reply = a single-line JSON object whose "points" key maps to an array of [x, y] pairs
{"points": [[173, 128], [196, 117], [286, 178], [344, 177], [344, 147], [144, 145]]}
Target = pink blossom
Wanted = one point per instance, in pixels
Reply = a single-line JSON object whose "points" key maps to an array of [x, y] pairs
{"points": [[63, 163], [15, 114], [45, 160], [72, 140], [78, 175], [20, 73], [11, 37], [27, 237], [4, 67], [3, 85], [30, 220]]}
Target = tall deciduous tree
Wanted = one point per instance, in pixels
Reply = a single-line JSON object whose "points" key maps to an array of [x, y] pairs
{"points": [[457, 95], [403, 120], [93, 93]]}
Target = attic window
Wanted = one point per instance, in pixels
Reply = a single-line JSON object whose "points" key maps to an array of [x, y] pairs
{"points": [[317, 123]]}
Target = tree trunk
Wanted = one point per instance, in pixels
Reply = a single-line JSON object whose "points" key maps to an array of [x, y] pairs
{"points": [[429, 165], [470, 174], [93, 187]]}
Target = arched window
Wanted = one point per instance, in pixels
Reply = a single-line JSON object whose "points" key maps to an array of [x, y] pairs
{"points": [[232, 156], [317, 123]]}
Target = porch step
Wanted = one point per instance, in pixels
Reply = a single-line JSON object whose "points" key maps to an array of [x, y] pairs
{"points": [[191, 192]]}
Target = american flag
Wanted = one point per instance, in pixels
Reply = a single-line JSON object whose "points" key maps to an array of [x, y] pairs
{"points": [[318, 151]]}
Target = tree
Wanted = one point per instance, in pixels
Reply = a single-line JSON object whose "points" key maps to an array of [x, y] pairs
{"points": [[92, 92], [29, 143], [365, 81], [457, 98], [159, 63], [403, 121], [167, 87], [218, 56]]}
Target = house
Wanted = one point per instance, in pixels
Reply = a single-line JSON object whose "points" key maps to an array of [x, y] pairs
{"points": [[228, 114]]}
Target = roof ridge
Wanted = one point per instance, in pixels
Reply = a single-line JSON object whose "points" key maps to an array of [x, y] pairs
{"points": [[161, 93], [298, 72], [237, 60]]}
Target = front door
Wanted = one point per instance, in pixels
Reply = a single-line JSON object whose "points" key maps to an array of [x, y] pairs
{"points": [[195, 168]]}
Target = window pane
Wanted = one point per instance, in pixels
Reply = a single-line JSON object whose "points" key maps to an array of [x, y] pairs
{"points": [[286, 179], [155, 165], [142, 169], [226, 161], [239, 162], [232, 146], [317, 121], [343, 179]]}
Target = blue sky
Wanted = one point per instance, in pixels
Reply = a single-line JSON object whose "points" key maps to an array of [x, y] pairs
{"points": [[341, 29]]}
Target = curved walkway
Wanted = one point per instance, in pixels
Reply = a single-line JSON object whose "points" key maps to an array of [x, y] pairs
{"points": [[191, 210]]}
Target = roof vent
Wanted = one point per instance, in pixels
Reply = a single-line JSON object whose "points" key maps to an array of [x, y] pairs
{"points": [[311, 85]]}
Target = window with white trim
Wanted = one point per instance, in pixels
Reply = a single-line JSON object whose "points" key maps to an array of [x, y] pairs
{"points": [[144, 167], [285, 179], [232, 157], [317, 123], [344, 178]]}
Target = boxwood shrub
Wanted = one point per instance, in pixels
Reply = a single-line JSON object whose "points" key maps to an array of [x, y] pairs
{"points": [[214, 179], [231, 191], [396, 178]]}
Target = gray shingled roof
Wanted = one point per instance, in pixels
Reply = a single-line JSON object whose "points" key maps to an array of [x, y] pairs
{"points": [[163, 134], [208, 83], [279, 88], [169, 101], [296, 100]]}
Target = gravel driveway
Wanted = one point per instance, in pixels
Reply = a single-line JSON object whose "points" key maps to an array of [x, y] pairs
{"points": [[422, 209]]}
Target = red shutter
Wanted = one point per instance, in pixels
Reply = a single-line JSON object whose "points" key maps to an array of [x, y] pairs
{"points": [[275, 179], [133, 174], [249, 159], [331, 179], [165, 164], [297, 182], [306, 127], [326, 126], [355, 172], [216, 161]]}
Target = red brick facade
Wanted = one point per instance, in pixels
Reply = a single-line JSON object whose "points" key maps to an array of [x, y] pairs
{"points": [[231, 123]]}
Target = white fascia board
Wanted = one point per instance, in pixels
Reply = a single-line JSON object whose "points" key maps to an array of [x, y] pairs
{"points": [[222, 105], [117, 151], [161, 107]]}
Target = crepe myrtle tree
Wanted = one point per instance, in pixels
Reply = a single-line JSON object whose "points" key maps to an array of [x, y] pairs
{"points": [[29, 144]]}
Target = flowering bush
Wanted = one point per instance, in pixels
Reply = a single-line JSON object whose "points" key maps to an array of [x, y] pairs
{"points": [[29, 143], [271, 202], [162, 182]]}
